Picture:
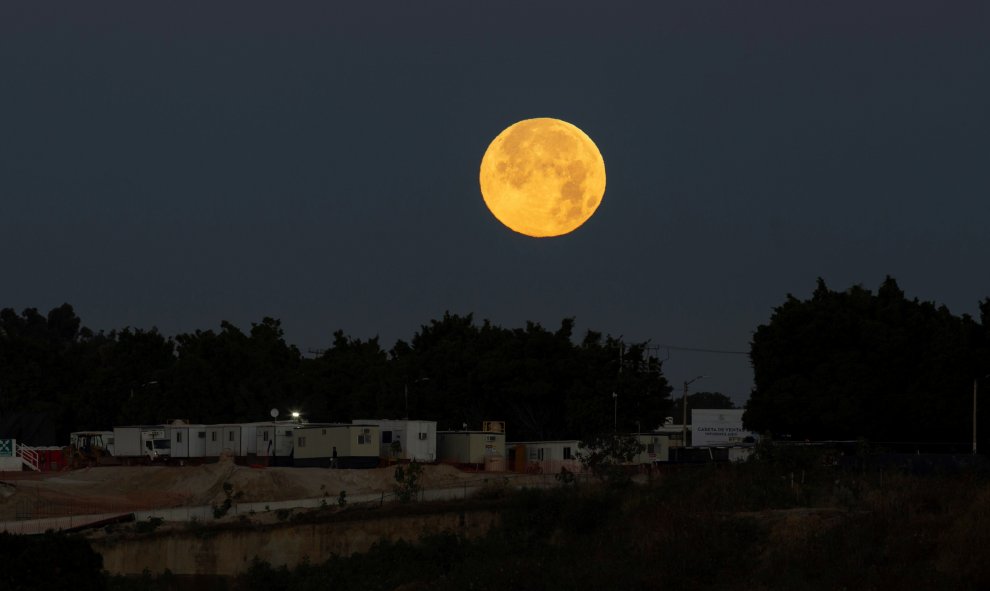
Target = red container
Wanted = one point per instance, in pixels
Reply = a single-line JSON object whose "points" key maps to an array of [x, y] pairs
{"points": [[56, 458]]}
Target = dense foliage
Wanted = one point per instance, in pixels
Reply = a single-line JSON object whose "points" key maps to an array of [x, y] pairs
{"points": [[854, 364], [53, 562], [544, 384]]}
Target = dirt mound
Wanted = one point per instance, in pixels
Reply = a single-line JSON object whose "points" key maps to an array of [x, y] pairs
{"points": [[120, 488]]}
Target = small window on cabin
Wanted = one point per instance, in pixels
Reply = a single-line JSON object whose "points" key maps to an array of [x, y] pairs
{"points": [[230, 436], [288, 433], [178, 436], [264, 436], [213, 436], [567, 453], [201, 434], [302, 442], [489, 438], [386, 437]]}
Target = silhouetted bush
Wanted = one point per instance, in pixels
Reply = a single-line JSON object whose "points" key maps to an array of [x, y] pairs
{"points": [[52, 561]]}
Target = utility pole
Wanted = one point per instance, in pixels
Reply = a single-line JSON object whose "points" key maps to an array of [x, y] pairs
{"points": [[684, 410], [615, 413]]}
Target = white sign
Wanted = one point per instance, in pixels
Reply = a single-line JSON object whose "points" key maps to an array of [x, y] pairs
{"points": [[717, 427]]}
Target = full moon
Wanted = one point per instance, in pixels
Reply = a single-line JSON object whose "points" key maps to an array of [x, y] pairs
{"points": [[542, 177]]}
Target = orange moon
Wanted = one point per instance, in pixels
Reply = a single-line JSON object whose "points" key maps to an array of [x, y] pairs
{"points": [[542, 177]]}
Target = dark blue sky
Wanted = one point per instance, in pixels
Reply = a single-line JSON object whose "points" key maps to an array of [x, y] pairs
{"points": [[178, 166]]}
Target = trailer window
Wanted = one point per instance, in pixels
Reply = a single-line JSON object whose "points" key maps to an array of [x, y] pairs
{"points": [[230, 436], [386, 437], [201, 434], [213, 436], [567, 453], [302, 442], [178, 436]]}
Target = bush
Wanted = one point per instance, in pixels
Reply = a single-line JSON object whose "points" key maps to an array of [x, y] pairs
{"points": [[407, 479], [153, 523], [607, 457], [53, 561]]}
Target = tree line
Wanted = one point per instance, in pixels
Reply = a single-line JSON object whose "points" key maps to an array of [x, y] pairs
{"points": [[544, 384], [854, 364], [840, 365]]}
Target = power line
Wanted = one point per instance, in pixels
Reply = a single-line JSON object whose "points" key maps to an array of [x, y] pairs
{"points": [[698, 350]]}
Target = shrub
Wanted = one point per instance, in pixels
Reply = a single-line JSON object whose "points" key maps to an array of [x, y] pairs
{"points": [[153, 523], [407, 479]]}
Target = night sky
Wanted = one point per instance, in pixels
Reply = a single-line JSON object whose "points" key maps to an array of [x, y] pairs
{"points": [[175, 166]]}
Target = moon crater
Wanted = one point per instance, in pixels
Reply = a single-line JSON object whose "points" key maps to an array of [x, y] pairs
{"points": [[542, 177]]}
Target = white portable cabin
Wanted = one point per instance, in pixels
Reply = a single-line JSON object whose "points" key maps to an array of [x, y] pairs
{"points": [[213, 441], [656, 448], [232, 441], [544, 457], [406, 439], [337, 445], [472, 447], [221, 439], [249, 437], [274, 441], [188, 441]]}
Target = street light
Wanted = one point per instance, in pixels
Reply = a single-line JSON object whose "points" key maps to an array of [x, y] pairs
{"points": [[976, 383], [684, 410]]}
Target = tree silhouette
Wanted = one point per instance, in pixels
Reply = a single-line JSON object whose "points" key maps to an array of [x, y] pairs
{"points": [[851, 364]]}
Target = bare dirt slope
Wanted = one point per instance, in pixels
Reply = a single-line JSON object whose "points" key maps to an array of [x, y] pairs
{"points": [[119, 488]]}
